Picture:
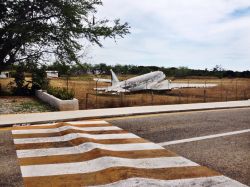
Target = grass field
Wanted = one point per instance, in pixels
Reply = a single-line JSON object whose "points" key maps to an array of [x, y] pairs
{"points": [[83, 87], [226, 90]]}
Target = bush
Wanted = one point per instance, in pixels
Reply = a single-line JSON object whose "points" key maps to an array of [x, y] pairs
{"points": [[39, 78], [61, 93], [20, 86]]}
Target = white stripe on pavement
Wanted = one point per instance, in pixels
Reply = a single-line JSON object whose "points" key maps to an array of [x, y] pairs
{"points": [[85, 147], [86, 122], [72, 136], [63, 128], [203, 137], [74, 123], [103, 163], [216, 181]]}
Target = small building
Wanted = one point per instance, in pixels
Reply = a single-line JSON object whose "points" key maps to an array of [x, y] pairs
{"points": [[5, 74], [52, 74]]}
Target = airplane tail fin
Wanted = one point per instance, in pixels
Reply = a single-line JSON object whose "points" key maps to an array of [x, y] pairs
{"points": [[114, 78]]}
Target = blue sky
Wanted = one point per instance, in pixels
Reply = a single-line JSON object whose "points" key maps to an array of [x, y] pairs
{"points": [[171, 33]]}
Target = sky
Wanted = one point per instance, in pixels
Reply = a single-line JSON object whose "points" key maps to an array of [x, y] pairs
{"points": [[196, 34]]}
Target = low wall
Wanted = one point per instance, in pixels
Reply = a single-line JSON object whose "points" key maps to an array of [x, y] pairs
{"points": [[62, 105]]}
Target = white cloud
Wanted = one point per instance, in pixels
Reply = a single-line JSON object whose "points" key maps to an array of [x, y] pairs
{"points": [[193, 33]]}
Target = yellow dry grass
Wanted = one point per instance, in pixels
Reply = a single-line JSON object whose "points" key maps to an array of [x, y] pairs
{"points": [[226, 89], [83, 87]]}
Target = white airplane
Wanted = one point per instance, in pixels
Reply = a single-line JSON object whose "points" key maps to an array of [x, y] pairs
{"points": [[150, 81]]}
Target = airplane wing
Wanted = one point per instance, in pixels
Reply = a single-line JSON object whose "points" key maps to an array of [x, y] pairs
{"points": [[163, 85], [192, 85], [112, 89], [103, 80], [167, 85]]}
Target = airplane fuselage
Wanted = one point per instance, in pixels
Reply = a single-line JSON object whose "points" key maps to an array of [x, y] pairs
{"points": [[150, 81], [141, 82]]}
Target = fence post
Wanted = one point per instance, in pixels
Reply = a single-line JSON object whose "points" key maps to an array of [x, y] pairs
{"points": [[179, 97], [221, 90], [121, 102], [67, 79], [152, 97], [96, 94], [236, 90], [86, 101], [204, 97]]}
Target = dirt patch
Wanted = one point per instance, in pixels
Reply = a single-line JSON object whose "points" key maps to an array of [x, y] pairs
{"points": [[17, 105]]}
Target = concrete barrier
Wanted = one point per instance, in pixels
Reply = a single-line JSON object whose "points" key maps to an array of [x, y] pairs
{"points": [[62, 105]]}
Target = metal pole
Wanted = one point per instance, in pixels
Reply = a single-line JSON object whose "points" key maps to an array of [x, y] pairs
{"points": [[221, 90], [204, 96], [236, 96], [179, 97], [96, 94], [86, 101], [152, 97], [67, 83]]}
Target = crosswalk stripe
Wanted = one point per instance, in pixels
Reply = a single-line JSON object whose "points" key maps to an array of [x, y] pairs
{"points": [[103, 163], [95, 153], [57, 125], [66, 132], [85, 147], [72, 136], [63, 128], [76, 142], [215, 181], [115, 174]]}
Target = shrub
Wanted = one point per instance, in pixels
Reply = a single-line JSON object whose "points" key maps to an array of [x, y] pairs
{"points": [[61, 93], [39, 78], [20, 86]]}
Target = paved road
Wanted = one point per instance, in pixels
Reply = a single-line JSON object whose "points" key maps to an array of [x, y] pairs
{"points": [[229, 155], [106, 154], [10, 174]]}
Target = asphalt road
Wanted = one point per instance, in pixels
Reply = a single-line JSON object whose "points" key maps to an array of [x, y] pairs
{"points": [[10, 173], [229, 155]]}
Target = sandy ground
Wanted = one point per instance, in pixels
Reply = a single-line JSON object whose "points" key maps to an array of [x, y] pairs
{"points": [[16, 105]]}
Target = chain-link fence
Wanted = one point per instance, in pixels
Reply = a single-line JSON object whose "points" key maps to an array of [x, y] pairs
{"points": [[226, 90]]}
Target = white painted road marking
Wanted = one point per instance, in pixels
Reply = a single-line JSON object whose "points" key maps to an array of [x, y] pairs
{"points": [[64, 128], [103, 163], [98, 168], [215, 181], [203, 137], [85, 147], [72, 136]]}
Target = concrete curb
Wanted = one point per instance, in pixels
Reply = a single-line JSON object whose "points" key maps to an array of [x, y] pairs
{"points": [[62, 105], [36, 118]]}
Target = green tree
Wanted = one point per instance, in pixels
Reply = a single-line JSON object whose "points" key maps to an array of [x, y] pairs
{"points": [[33, 30]]}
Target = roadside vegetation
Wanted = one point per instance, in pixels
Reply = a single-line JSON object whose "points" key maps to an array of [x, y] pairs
{"points": [[61, 93]]}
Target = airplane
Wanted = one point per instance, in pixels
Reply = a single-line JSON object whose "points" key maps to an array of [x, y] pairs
{"points": [[150, 81]]}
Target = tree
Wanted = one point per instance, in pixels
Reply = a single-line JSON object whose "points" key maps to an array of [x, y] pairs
{"points": [[33, 30]]}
